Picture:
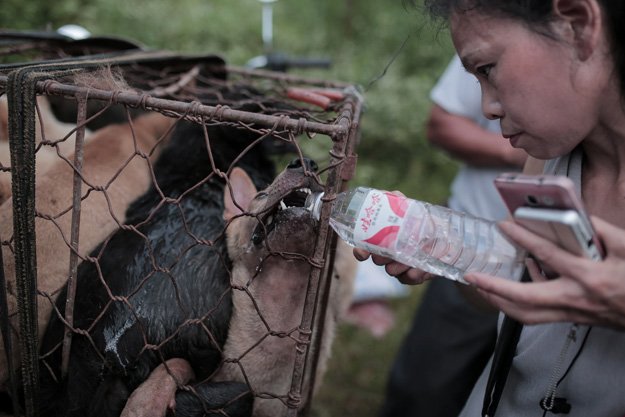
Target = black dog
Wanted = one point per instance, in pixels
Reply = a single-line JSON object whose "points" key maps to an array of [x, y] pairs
{"points": [[158, 288]]}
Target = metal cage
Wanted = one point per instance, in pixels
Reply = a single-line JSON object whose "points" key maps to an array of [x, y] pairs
{"points": [[86, 88]]}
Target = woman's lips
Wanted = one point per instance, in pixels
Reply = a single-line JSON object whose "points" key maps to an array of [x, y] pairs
{"points": [[512, 137]]}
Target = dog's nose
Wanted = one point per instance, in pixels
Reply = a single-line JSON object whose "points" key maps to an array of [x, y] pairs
{"points": [[308, 164]]}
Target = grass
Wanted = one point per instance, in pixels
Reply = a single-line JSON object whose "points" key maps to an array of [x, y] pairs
{"points": [[358, 369]]}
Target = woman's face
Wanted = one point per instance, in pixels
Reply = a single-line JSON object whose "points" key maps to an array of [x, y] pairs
{"points": [[546, 102]]}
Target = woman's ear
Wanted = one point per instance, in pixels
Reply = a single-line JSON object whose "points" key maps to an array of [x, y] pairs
{"points": [[584, 22]]}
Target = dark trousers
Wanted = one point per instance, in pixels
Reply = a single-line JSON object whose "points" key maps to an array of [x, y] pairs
{"points": [[442, 356]]}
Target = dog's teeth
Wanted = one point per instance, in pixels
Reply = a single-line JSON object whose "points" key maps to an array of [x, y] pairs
{"points": [[282, 205], [269, 220]]}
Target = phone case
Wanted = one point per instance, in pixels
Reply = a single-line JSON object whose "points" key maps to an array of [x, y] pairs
{"points": [[546, 191], [543, 191], [564, 227]]}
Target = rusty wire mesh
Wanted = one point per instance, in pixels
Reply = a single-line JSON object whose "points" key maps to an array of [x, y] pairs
{"points": [[33, 46], [69, 220]]}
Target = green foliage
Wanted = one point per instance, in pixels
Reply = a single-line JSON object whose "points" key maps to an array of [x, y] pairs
{"points": [[394, 53], [355, 382]]}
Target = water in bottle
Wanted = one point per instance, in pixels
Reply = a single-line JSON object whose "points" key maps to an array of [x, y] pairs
{"points": [[421, 235]]}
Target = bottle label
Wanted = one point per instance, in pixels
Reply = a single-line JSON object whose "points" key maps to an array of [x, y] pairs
{"points": [[380, 218]]}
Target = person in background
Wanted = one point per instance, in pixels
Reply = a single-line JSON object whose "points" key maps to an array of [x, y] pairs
{"points": [[451, 340], [370, 308], [553, 73]]}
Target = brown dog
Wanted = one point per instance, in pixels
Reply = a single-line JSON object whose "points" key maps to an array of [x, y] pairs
{"points": [[113, 161], [47, 126], [277, 291]]}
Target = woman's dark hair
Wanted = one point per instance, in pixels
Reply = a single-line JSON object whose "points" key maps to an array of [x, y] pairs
{"points": [[535, 13]]}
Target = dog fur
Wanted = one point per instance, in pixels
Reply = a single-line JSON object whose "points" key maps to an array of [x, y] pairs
{"points": [[110, 149], [274, 283], [63, 135], [262, 352]]}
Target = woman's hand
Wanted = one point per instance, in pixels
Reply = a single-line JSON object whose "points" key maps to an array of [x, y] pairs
{"points": [[403, 273], [585, 291]]}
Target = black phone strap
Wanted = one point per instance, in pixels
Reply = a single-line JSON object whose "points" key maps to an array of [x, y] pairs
{"points": [[505, 349]]}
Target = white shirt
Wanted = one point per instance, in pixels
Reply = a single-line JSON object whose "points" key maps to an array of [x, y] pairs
{"points": [[472, 190]]}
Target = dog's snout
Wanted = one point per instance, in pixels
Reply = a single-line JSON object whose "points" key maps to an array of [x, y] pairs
{"points": [[306, 163]]}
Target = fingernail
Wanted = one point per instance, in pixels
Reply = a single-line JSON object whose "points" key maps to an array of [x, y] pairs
{"points": [[505, 224]]}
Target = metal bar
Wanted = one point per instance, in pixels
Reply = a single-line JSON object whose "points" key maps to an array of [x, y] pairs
{"points": [[7, 338], [267, 24], [22, 145], [183, 81], [344, 171], [317, 292], [280, 76], [194, 108], [75, 233]]}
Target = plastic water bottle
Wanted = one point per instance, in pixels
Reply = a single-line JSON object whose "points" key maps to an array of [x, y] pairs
{"points": [[421, 235]]}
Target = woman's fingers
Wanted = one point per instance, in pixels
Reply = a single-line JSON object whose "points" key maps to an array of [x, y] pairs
{"points": [[534, 270], [361, 254], [557, 293], [560, 299], [414, 276], [538, 315], [546, 252], [611, 236], [404, 273]]}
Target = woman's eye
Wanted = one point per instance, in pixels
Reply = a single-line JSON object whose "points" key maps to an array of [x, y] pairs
{"points": [[484, 70]]}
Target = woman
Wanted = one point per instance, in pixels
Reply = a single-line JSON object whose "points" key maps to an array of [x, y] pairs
{"points": [[553, 73]]}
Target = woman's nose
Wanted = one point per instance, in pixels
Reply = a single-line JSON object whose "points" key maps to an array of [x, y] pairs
{"points": [[491, 106]]}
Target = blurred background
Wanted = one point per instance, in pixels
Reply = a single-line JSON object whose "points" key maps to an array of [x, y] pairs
{"points": [[394, 53]]}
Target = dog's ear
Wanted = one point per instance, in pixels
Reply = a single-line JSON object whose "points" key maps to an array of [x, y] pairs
{"points": [[238, 193]]}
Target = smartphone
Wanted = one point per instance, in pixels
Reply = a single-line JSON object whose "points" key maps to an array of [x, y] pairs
{"points": [[552, 192], [546, 191], [563, 227], [541, 191]]}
